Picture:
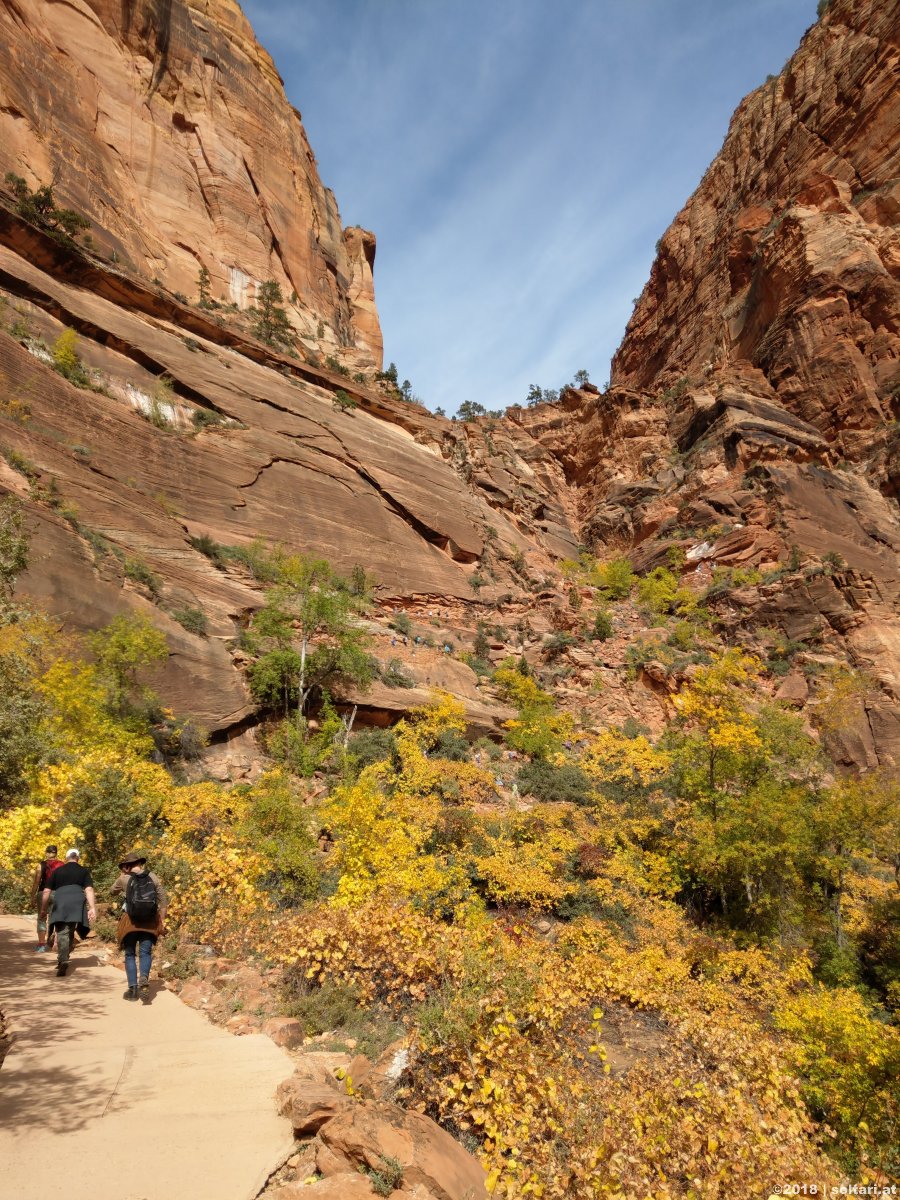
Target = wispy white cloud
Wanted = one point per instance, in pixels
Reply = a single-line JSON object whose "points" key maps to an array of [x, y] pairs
{"points": [[517, 161]]}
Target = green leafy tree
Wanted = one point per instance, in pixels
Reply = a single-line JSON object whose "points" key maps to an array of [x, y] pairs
{"points": [[40, 208], [24, 742], [277, 826], [343, 401], [360, 584], [661, 593], [848, 819], [112, 816], [203, 283], [305, 635], [469, 410], [481, 647], [270, 320], [602, 629], [615, 578], [67, 360], [13, 547], [127, 645]]}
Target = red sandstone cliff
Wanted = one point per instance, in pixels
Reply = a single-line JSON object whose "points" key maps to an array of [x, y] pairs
{"points": [[787, 256], [757, 389], [749, 423], [167, 125]]}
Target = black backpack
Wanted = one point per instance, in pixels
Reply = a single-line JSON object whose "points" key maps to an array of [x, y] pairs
{"points": [[141, 900]]}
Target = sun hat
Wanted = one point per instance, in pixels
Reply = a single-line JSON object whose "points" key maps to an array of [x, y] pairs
{"points": [[73, 853], [132, 860]]}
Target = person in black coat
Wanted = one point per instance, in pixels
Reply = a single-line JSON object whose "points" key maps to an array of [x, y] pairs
{"points": [[71, 889]]}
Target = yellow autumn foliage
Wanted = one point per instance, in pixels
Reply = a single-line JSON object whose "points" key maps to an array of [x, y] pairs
{"points": [[26, 830]]}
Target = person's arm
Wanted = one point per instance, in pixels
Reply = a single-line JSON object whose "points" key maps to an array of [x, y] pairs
{"points": [[35, 882], [91, 901], [45, 901]]}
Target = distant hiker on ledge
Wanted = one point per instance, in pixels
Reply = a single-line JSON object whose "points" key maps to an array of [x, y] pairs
{"points": [[39, 881], [141, 923], [74, 906]]}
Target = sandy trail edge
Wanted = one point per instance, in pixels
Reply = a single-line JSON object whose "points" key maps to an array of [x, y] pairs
{"points": [[117, 1101]]}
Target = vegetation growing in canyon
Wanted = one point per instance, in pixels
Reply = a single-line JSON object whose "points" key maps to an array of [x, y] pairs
{"points": [[712, 890], [270, 319], [39, 206]]}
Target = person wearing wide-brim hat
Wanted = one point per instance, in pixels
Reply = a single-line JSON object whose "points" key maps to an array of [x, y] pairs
{"points": [[143, 920]]}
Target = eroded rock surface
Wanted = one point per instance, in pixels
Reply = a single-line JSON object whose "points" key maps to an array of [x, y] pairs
{"points": [[168, 127], [750, 428]]}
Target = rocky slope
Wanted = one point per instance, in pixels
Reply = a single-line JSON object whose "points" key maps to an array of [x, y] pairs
{"points": [[167, 125], [752, 415], [750, 422]]}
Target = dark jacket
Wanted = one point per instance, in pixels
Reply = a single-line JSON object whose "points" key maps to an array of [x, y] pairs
{"points": [[126, 925], [68, 902]]}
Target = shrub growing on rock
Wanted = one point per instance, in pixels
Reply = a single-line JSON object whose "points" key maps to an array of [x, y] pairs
{"points": [[549, 782]]}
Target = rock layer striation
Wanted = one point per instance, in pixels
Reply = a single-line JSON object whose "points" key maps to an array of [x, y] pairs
{"points": [[167, 125]]}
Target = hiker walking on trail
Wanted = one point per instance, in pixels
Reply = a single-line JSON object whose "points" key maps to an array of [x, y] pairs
{"points": [[141, 923], [39, 881], [74, 906]]}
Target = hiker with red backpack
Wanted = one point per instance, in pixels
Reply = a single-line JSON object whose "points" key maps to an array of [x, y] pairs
{"points": [[39, 881], [141, 923]]}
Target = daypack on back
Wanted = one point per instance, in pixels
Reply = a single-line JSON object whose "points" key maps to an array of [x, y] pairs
{"points": [[141, 900], [47, 869]]}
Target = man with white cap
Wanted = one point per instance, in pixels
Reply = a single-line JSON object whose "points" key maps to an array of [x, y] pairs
{"points": [[74, 905]]}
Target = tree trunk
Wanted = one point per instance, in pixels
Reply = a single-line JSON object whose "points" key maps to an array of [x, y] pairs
{"points": [[301, 690]]}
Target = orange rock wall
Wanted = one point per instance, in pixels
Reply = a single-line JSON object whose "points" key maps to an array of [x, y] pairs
{"points": [[167, 125], [788, 253]]}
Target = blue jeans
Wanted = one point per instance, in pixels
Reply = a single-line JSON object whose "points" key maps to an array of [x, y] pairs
{"points": [[131, 942]]}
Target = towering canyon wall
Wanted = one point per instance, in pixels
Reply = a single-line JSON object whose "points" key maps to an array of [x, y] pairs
{"points": [[167, 125], [787, 256], [751, 422]]}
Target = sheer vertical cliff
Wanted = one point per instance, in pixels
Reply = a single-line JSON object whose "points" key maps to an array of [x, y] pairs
{"points": [[167, 125], [787, 256], [751, 422]]}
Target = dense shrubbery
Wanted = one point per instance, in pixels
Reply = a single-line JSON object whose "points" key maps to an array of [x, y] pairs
{"points": [[715, 879]]}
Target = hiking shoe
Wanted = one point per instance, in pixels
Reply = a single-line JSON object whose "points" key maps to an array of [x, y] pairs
{"points": [[144, 987], [40, 949], [130, 993], [61, 968]]}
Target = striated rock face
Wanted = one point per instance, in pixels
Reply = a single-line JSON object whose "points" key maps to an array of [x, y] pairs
{"points": [[282, 463], [787, 256], [167, 125], [750, 426], [751, 420]]}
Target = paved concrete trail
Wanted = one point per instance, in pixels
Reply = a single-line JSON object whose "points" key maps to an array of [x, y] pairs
{"points": [[101, 1099]]}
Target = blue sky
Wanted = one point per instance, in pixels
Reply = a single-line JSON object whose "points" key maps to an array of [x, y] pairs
{"points": [[517, 161]]}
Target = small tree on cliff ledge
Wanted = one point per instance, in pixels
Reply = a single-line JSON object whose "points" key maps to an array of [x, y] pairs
{"points": [[40, 208], [309, 603], [270, 321]]}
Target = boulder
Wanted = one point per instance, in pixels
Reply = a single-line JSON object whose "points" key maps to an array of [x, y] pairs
{"points": [[197, 993], [321, 1066], [378, 1080], [794, 689], [284, 1031], [348, 1186], [328, 1163], [365, 1134], [308, 1105]]}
